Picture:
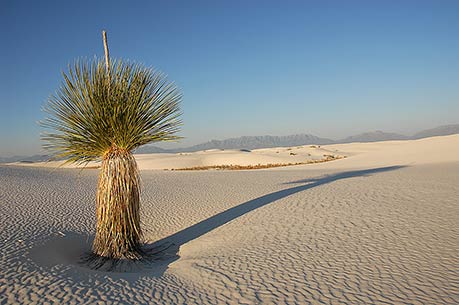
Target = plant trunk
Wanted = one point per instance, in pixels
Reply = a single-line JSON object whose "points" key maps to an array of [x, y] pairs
{"points": [[118, 233]]}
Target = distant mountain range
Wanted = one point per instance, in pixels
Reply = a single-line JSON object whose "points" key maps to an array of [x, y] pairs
{"points": [[437, 131], [254, 142], [374, 136]]}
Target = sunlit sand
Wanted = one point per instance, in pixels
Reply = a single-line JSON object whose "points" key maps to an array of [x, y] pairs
{"points": [[380, 226]]}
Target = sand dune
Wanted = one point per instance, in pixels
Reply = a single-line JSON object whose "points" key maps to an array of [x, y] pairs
{"points": [[378, 227], [162, 161], [423, 151]]}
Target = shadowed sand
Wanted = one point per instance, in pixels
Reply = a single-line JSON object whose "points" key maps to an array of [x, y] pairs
{"points": [[379, 227], [168, 247]]}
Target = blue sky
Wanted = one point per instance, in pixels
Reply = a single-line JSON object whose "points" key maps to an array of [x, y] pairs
{"points": [[329, 68]]}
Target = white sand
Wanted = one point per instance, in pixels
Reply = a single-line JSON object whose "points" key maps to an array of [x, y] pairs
{"points": [[379, 227], [280, 155], [429, 150]]}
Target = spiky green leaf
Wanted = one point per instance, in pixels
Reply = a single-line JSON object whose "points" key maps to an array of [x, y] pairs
{"points": [[93, 111]]}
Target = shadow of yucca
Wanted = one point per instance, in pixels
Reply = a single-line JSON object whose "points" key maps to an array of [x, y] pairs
{"points": [[70, 254], [154, 260], [75, 249], [167, 249]]}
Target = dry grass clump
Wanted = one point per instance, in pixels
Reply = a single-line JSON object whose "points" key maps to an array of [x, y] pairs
{"points": [[258, 166]]}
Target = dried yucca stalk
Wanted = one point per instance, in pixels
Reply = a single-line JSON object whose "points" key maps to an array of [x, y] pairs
{"points": [[103, 113], [118, 233]]}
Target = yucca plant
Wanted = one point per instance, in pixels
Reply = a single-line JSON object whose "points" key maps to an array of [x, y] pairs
{"points": [[103, 112]]}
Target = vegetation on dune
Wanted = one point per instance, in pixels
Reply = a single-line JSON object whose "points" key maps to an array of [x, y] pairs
{"points": [[326, 158], [102, 112]]}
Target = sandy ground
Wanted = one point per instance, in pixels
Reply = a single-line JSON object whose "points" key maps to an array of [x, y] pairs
{"points": [[429, 150], [379, 227], [213, 157]]}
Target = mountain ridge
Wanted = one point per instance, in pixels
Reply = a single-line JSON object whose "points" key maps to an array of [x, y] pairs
{"points": [[267, 141], [374, 136], [443, 130]]}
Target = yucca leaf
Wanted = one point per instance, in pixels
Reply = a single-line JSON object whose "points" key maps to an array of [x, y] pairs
{"points": [[93, 111]]}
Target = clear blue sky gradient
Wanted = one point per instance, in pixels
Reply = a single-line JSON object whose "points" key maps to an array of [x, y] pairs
{"points": [[330, 68]]}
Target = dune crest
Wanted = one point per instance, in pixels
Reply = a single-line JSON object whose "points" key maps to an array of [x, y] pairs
{"points": [[423, 151]]}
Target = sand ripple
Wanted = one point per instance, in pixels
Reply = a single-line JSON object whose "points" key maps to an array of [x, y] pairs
{"points": [[385, 236]]}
